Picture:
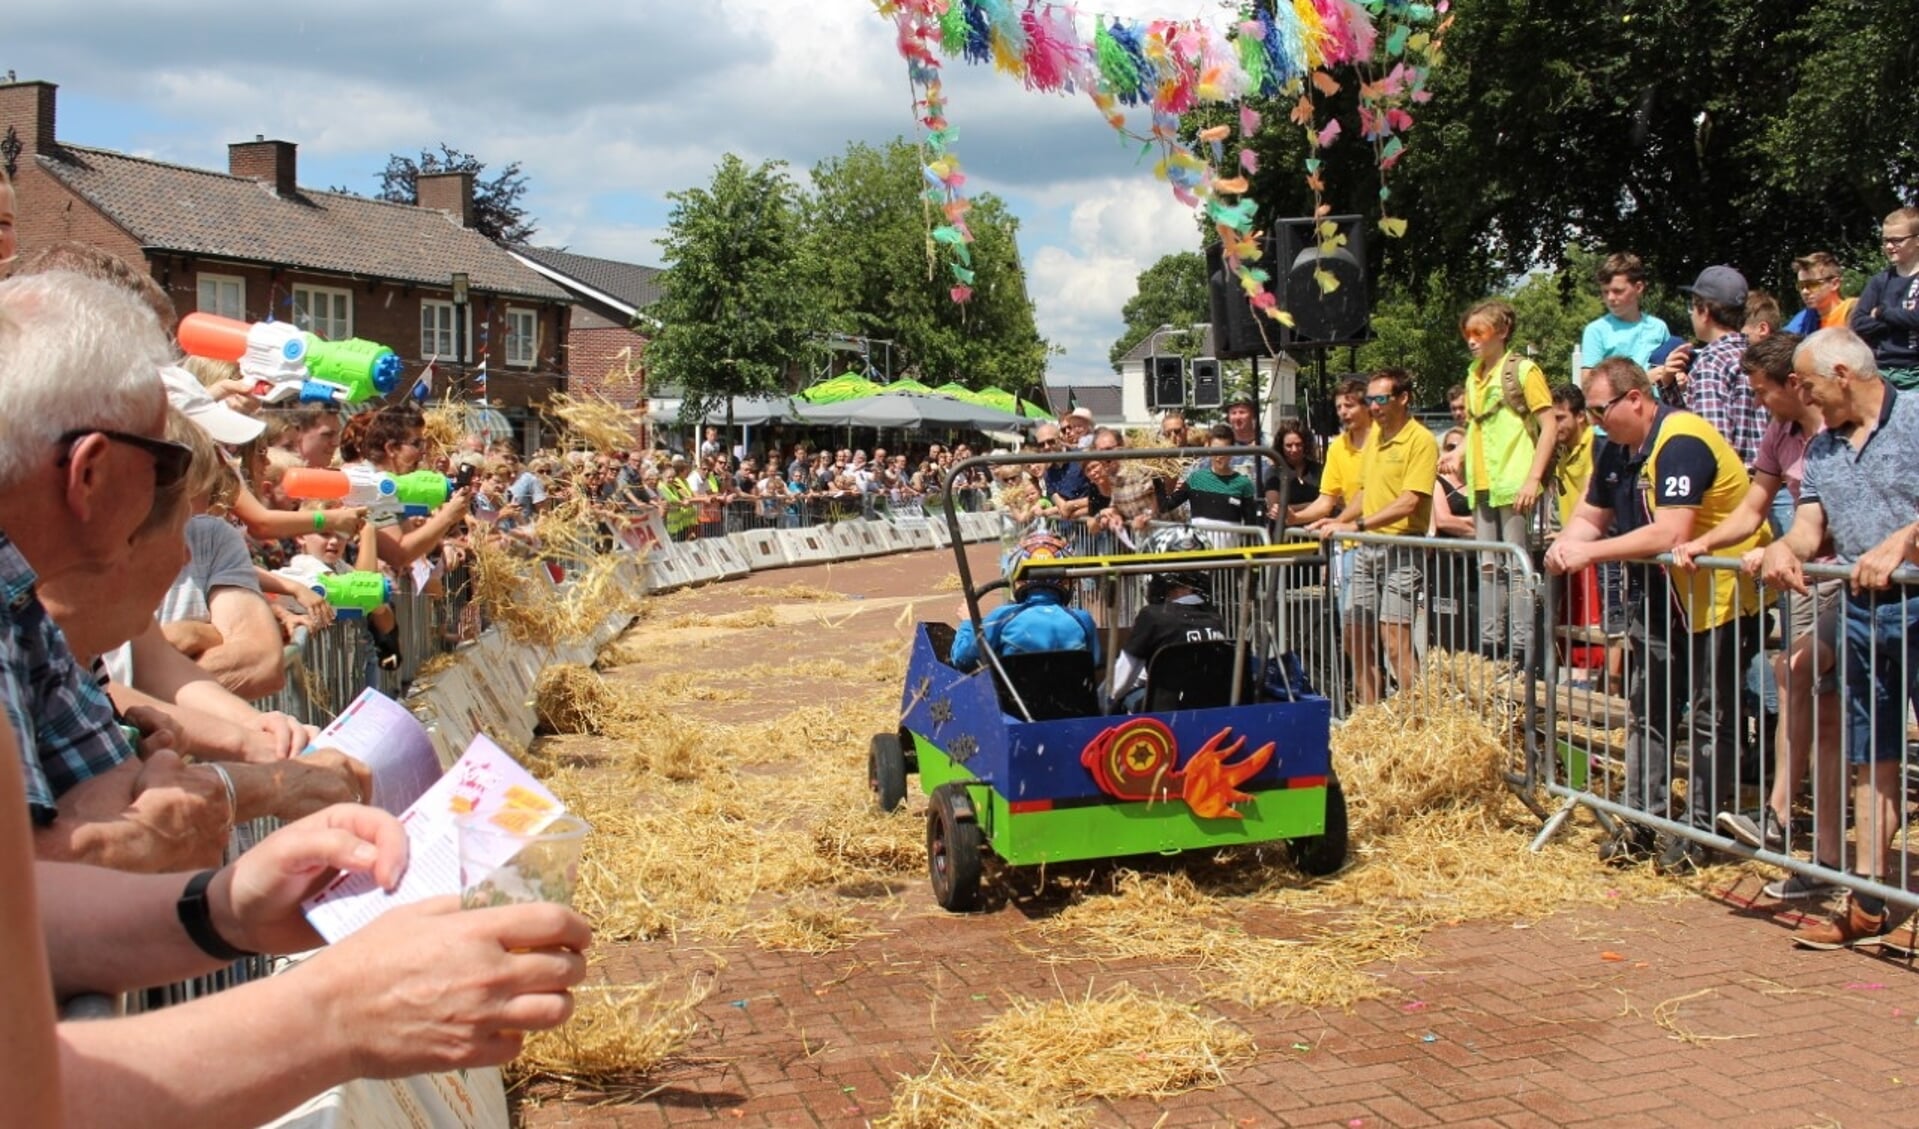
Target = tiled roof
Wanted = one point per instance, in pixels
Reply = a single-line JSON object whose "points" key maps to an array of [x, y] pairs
{"points": [[200, 212], [1103, 400], [630, 284]]}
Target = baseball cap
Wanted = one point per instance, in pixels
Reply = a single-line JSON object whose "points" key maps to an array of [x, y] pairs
{"points": [[1664, 352], [1720, 285], [221, 423]]}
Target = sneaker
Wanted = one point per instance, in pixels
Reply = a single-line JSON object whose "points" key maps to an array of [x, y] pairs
{"points": [[1682, 856], [1904, 939], [1758, 829], [1798, 887], [1852, 928], [1629, 846]]}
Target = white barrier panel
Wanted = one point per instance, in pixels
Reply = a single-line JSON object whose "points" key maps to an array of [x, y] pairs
{"points": [[895, 538], [467, 1099], [666, 568], [872, 537], [699, 561], [845, 541], [806, 545], [979, 527], [761, 548], [942, 536], [727, 556]]}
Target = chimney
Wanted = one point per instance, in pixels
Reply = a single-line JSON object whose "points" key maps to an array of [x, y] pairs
{"points": [[449, 192], [26, 109], [269, 161]]}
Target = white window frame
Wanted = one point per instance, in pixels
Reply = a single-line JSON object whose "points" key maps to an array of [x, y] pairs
{"points": [[428, 348], [303, 317], [200, 298], [530, 355]]}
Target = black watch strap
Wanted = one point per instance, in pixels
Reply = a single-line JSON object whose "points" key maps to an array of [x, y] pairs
{"points": [[196, 917]]}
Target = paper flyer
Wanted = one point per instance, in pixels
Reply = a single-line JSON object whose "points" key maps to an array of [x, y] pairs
{"points": [[385, 736], [485, 780]]}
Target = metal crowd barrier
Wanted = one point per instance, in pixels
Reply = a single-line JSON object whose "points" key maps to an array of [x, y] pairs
{"points": [[746, 513], [1756, 700]]}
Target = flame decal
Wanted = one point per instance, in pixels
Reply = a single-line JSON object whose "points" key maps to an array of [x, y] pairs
{"points": [[1134, 761]]}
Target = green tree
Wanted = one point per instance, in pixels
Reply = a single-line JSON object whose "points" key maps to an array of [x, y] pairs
{"points": [[496, 202], [868, 221], [1173, 291], [739, 305]]}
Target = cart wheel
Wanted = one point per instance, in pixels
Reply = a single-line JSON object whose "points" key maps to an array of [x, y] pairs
{"points": [[953, 849], [1322, 854], [886, 772]]}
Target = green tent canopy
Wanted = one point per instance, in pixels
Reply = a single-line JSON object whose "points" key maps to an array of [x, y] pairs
{"points": [[958, 391], [908, 384], [846, 386]]}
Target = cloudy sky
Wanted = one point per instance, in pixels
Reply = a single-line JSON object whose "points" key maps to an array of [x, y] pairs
{"points": [[609, 106]]}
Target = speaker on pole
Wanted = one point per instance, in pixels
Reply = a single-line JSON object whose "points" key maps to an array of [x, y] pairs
{"points": [[1304, 248], [1165, 382], [1206, 389], [1236, 324]]}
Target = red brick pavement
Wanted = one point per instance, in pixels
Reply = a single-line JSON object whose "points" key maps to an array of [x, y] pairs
{"points": [[1710, 1018]]}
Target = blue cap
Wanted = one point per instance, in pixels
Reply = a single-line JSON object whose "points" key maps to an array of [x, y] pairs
{"points": [[1664, 352]]}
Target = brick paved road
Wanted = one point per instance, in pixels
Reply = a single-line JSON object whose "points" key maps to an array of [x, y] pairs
{"points": [[1710, 1018]]}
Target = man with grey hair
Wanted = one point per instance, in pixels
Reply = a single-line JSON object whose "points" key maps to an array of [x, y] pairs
{"points": [[1861, 492], [91, 517]]}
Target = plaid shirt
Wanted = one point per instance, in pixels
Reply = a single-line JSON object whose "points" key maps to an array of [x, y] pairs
{"points": [[1717, 390], [61, 717]]}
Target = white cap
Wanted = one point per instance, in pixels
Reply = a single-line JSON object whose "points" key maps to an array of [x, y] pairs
{"points": [[220, 422]]}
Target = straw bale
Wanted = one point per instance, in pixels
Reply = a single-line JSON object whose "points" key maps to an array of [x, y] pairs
{"points": [[571, 698], [618, 1038]]}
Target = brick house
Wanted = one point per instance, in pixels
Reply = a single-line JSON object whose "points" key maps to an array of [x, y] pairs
{"points": [[606, 345], [250, 243]]}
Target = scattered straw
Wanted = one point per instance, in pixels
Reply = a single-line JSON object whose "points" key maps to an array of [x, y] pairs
{"points": [[1665, 1014], [816, 929], [618, 1038], [596, 422], [1036, 1057]]}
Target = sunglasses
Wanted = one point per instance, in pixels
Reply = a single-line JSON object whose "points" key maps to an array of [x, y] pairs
{"points": [[1597, 412], [1807, 286], [170, 459], [1376, 401]]}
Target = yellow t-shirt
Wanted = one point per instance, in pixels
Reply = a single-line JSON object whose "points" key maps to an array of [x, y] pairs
{"points": [[1499, 448], [1575, 466], [1708, 597], [1340, 476], [1390, 467]]}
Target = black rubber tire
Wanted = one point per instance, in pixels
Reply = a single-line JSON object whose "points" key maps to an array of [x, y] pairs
{"points": [[953, 848], [886, 772], [1323, 854]]}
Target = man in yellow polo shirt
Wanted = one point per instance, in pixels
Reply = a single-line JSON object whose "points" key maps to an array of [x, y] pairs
{"points": [[1339, 480], [1397, 473], [1664, 475]]}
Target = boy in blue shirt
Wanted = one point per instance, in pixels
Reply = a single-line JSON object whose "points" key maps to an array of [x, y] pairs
{"points": [[1039, 620]]}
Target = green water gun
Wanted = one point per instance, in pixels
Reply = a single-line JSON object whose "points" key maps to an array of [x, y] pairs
{"points": [[353, 594]]}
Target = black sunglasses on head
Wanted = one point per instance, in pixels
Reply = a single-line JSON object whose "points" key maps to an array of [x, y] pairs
{"points": [[170, 459]]}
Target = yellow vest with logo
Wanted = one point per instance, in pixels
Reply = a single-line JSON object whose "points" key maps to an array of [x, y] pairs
{"points": [[1708, 598]]}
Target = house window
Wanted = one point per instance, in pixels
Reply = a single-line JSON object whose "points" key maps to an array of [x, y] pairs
{"points": [[324, 311], [223, 294], [522, 337], [437, 335]]}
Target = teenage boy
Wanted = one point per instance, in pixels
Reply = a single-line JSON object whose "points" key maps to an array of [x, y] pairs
{"points": [[1624, 330]]}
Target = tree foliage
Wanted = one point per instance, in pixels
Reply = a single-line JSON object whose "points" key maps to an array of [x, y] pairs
{"points": [[1173, 291], [496, 202], [868, 222], [739, 306]]}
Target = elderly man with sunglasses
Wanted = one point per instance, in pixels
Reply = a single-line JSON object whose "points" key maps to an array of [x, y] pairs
{"points": [[1664, 475], [91, 517]]}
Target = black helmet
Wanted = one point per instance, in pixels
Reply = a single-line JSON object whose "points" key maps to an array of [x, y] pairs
{"points": [[1176, 539]]}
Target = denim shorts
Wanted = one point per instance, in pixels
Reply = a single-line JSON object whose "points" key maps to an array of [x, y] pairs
{"points": [[1882, 674]]}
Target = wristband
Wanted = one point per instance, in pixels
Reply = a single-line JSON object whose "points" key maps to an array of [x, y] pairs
{"points": [[319, 521], [233, 797], [1359, 526], [196, 917]]}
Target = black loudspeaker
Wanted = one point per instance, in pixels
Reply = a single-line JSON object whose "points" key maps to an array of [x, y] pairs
{"points": [[1236, 324], [1302, 248], [1165, 382], [1206, 383]]}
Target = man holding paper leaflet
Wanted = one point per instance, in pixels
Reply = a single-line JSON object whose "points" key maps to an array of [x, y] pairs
{"points": [[426, 987]]}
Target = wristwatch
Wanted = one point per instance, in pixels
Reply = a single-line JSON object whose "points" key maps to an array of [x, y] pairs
{"points": [[196, 917], [1360, 525]]}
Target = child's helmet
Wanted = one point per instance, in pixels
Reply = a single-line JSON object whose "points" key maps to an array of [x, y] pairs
{"points": [[1041, 546]]}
